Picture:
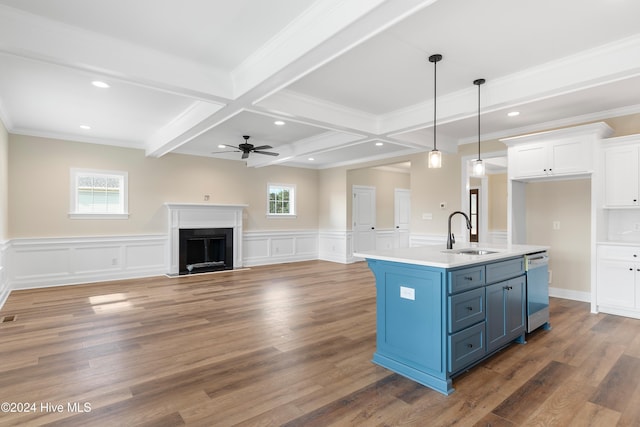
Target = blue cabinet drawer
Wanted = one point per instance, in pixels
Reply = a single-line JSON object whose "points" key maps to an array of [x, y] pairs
{"points": [[466, 278], [465, 309], [504, 270], [466, 347]]}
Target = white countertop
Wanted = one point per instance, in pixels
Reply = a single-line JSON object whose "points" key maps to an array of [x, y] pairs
{"points": [[439, 256]]}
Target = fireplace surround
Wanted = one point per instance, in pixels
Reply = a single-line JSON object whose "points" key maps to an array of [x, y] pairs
{"points": [[193, 218]]}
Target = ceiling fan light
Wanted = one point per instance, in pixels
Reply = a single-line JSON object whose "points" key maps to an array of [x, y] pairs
{"points": [[435, 159]]}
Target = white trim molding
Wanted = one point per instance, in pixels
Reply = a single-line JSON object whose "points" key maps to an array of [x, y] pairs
{"points": [[336, 246], [276, 247], [38, 263], [202, 215], [5, 287]]}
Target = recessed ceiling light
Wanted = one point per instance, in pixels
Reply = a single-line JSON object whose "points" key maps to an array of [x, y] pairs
{"points": [[222, 146], [85, 127], [311, 159], [278, 123], [513, 113], [100, 84], [379, 144]]}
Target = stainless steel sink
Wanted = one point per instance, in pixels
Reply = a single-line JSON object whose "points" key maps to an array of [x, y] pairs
{"points": [[470, 251]]}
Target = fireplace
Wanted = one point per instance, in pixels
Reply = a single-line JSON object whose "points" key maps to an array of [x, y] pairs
{"points": [[205, 249]]}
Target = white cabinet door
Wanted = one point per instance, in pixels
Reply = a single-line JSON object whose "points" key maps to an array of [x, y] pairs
{"points": [[562, 157], [621, 176], [570, 157], [616, 284], [529, 160]]}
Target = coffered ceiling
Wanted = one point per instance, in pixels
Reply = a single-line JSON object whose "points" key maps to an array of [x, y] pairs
{"points": [[349, 78]]}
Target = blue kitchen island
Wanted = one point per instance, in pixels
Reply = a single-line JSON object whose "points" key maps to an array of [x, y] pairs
{"points": [[439, 312]]}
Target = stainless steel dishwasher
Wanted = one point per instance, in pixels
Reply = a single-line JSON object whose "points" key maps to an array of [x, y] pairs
{"points": [[537, 268]]}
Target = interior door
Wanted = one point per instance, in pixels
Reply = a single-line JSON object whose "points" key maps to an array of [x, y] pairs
{"points": [[402, 207], [364, 218], [474, 212]]}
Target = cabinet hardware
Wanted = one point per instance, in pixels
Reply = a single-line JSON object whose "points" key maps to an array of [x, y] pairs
{"points": [[468, 278], [469, 345], [470, 308]]}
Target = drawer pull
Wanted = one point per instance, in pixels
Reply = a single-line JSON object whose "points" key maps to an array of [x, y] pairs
{"points": [[469, 345], [507, 288], [470, 308], [468, 278]]}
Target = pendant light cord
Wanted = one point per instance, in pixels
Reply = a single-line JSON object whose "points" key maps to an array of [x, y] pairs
{"points": [[435, 59], [435, 78], [479, 82], [478, 121]]}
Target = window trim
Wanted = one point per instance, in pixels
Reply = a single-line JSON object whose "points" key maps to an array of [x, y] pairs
{"points": [[292, 201], [73, 193]]}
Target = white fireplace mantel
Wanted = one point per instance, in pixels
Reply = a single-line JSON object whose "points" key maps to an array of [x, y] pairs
{"points": [[203, 215]]}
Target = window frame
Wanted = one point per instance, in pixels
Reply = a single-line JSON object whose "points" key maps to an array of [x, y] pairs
{"points": [[292, 200], [74, 213]]}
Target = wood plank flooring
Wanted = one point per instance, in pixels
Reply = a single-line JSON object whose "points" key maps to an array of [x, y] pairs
{"points": [[287, 345]]}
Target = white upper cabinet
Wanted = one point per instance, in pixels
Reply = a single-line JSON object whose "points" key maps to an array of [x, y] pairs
{"points": [[621, 176], [562, 153]]}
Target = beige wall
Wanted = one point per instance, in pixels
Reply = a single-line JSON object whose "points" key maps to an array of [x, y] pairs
{"points": [[385, 183], [39, 189], [332, 199], [4, 182], [498, 198], [569, 203], [429, 187]]}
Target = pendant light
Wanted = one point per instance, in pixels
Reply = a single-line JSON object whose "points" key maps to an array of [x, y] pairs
{"points": [[435, 156], [477, 166]]}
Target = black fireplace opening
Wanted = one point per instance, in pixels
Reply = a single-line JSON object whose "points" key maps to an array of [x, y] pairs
{"points": [[205, 249]]}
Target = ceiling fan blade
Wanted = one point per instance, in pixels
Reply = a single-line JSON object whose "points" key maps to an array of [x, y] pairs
{"points": [[268, 153], [245, 154], [262, 147]]}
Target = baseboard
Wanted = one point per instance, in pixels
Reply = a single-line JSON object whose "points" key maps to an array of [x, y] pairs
{"points": [[570, 294]]}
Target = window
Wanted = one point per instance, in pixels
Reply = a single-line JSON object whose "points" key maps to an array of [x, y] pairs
{"points": [[281, 200], [98, 194]]}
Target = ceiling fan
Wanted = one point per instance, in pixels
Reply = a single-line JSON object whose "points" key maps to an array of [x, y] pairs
{"points": [[247, 148]]}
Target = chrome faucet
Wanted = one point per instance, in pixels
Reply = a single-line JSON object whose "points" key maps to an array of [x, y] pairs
{"points": [[450, 237]]}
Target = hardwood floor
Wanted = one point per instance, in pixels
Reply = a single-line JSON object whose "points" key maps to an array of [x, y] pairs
{"points": [[287, 345]]}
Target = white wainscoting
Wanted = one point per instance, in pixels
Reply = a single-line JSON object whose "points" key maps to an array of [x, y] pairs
{"points": [[276, 247], [336, 246], [386, 239], [5, 288], [37, 263], [427, 240]]}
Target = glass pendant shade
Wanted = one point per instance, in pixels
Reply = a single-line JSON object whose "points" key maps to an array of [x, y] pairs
{"points": [[477, 168], [435, 159]]}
